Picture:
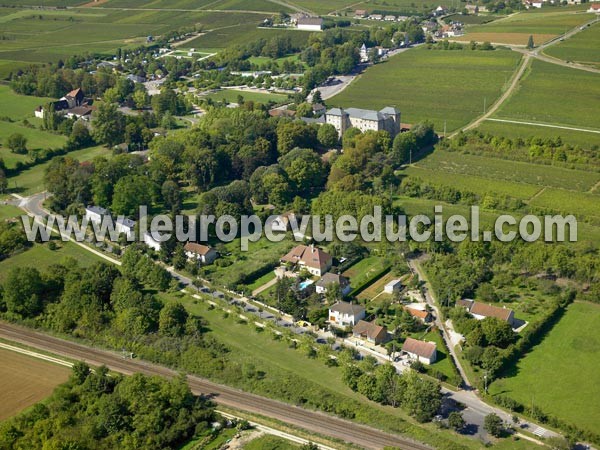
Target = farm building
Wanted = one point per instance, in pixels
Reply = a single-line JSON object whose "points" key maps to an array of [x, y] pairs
{"points": [[425, 352], [310, 23], [344, 314], [392, 286]]}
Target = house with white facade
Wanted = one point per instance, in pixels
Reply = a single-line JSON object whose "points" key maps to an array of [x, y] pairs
{"points": [[425, 352], [151, 242], [200, 253], [310, 24], [94, 214], [125, 226], [346, 314], [330, 279], [392, 286]]}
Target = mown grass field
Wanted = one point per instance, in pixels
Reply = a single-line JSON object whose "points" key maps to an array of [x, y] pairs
{"points": [[36, 139], [513, 131], [231, 96], [25, 380], [516, 29], [581, 48], [31, 180], [512, 171], [41, 257], [441, 86], [268, 442], [18, 107], [536, 98], [364, 270], [546, 375]]}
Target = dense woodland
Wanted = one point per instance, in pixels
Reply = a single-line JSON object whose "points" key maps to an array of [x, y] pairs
{"points": [[95, 410]]}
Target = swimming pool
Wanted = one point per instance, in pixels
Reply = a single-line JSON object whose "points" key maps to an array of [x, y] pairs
{"points": [[303, 285]]}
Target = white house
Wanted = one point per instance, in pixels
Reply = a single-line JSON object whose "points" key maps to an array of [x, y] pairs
{"points": [[310, 23], [151, 242], [94, 214], [282, 222], [595, 8], [201, 253], [392, 286], [125, 226], [330, 279], [426, 352], [343, 314], [440, 10]]}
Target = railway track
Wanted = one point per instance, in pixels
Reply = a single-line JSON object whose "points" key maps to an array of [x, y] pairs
{"points": [[312, 421]]}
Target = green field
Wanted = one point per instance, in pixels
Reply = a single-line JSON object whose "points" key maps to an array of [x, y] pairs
{"points": [[231, 96], [16, 106], [364, 270], [31, 180], [442, 86], [566, 202], [476, 184], [512, 171], [513, 131], [516, 29], [581, 48], [9, 211], [36, 139], [560, 374], [536, 98], [40, 257], [269, 442]]}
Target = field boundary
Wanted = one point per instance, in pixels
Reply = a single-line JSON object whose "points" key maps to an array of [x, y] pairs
{"points": [[37, 355], [541, 124]]}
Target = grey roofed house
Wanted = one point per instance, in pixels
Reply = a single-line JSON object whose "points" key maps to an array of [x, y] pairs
{"points": [[365, 114], [126, 222], [319, 120], [390, 110], [336, 112], [348, 308], [97, 210], [331, 278], [310, 21]]}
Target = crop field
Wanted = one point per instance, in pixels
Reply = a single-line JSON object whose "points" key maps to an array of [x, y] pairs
{"points": [[347, 7], [31, 180], [34, 36], [513, 171], [231, 96], [536, 98], [242, 33], [476, 184], [516, 29], [581, 48], [453, 92], [567, 202], [25, 380], [513, 131], [572, 347]]}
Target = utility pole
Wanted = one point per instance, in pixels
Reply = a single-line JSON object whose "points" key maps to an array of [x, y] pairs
{"points": [[485, 382]]}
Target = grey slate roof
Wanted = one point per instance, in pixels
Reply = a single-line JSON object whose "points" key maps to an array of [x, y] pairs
{"points": [[390, 110], [348, 308], [97, 209], [336, 112], [126, 222]]}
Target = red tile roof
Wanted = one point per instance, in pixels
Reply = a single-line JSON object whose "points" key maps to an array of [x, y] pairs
{"points": [[199, 249], [419, 348]]}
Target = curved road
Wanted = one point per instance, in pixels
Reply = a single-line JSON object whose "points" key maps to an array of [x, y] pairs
{"points": [[311, 421]]}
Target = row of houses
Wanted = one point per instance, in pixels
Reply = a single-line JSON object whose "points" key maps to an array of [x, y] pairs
{"points": [[362, 14], [347, 314]]}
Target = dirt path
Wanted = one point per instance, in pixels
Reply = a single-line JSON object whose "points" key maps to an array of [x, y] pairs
{"points": [[595, 187], [264, 287], [513, 85], [537, 194], [546, 125]]}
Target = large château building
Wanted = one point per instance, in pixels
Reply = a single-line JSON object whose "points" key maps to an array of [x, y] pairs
{"points": [[388, 119]]}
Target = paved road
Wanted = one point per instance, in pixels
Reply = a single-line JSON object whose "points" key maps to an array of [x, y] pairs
{"points": [[311, 421]]}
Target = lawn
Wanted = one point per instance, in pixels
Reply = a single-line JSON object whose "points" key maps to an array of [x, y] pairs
{"points": [[536, 98], [513, 131], [376, 289], [268, 442], [261, 281], [545, 376], [236, 262], [442, 86], [41, 257], [511, 171], [231, 96], [9, 211], [16, 106], [36, 139], [31, 180], [26, 380], [581, 48], [365, 270], [516, 29]]}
